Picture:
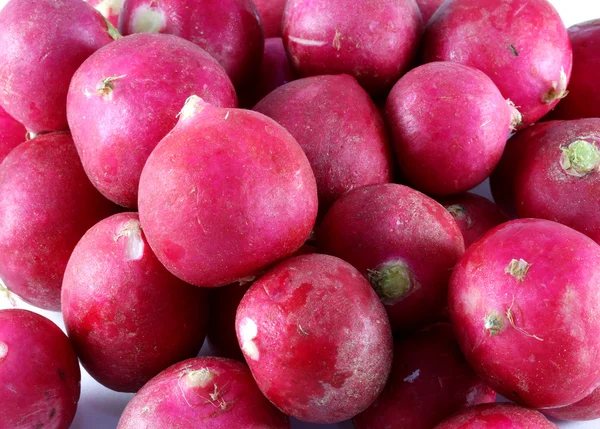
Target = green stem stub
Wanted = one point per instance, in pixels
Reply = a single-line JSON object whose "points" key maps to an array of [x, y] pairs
{"points": [[494, 323], [459, 212], [518, 269], [393, 281], [579, 158]]}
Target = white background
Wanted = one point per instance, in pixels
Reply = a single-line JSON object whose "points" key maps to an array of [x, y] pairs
{"points": [[100, 408]]}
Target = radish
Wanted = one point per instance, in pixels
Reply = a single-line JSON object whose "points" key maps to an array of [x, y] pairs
{"points": [[11, 133], [271, 14], [428, 8], [116, 121], [522, 46], [340, 130], [584, 95], [430, 380], [586, 409], [437, 153], [497, 416], [46, 205], [39, 372], [474, 215], [316, 338], [229, 30], [524, 303], [328, 37], [275, 70], [404, 242], [42, 43], [205, 392], [225, 194], [557, 176], [110, 9], [127, 316]]}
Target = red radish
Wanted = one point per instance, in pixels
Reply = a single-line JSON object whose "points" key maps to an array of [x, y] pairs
{"points": [[46, 205], [583, 99], [225, 194], [428, 8], [205, 392], [404, 242], [475, 215], [586, 409], [316, 338], [110, 9], [39, 373], [127, 316], [430, 380], [376, 51], [524, 303], [522, 46], [116, 121], [229, 30], [42, 43], [438, 153], [497, 416], [271, 14], [11, 133], [275, 70], [340, 130], [558, 174]]}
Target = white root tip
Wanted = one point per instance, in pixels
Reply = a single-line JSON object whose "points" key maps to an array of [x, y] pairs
{"points": [[134, 242], [147, 19], [201, 378]]}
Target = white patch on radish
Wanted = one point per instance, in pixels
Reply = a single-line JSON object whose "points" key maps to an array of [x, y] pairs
{"points": [[3, 350], [411, 378], [3, 3], [518, 269], [134, 243], [307, 42], [147, 19], [110, 8], [248, 332], [201, 378]]}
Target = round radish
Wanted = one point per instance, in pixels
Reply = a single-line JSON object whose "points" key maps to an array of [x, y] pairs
{"points": [[117, 119], [271, 14], [316, 338], [225, 194], [340, 130], [39, 372], [524, 303], [497, 416], [127, 316], [449, 126], [522, 46], [110, 9], [46, 205], [229, 30], [583, 100], [586, 409], [376, 51], [430, 380], [12, 133], [557, 176], [474, 215], [205, 392], [42, 43], [428, 8], [404, 242]]}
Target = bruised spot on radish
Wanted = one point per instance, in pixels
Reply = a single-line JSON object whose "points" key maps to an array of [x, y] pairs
{"points": [[559, 88], [393, 281], [494, 323], [579, 158], [518, 269], [200, 378], [3, 350], [134, 243], [148, 19], [458, 212], [248, 332]]}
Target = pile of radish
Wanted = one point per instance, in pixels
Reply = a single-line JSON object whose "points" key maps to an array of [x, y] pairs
{"points": [[288, 180]]}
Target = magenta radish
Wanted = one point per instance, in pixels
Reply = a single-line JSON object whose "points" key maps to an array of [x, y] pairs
{"points": [[586, 409], [430, 380], [126, 315], [449, 126], [524, 303], [110, 9], [229, 30], [474, 215], [12, 133], [39, 373], [42, 43], [116, 121], [340, 130], [204, 392], [404, 242], [522, 46], [225, 194], [46, 205], [321, 369], [428, 8], [497, 416], [376, 51], [271, 14]]}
